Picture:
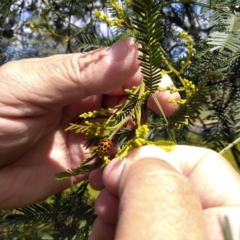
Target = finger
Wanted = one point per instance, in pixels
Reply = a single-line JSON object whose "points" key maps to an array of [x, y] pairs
{"points": [[106, 206], [163, 98], [114, 169], [112, 172], [92, 237], [213, 186], [215, 219], [150, 187], [95, 179], [58, 80], [133, 81], [216, 181], [102, 230]]}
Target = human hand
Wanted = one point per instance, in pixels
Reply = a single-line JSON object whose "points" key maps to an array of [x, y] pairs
{"points": [[38, 99], [184, 195]]}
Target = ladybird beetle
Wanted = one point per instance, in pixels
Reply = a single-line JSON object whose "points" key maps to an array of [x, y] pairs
{"points": [[105, 145]]}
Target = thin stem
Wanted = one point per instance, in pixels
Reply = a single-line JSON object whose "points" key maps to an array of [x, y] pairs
{"points": [[229, 146], [119, 125], [138, 108], [118, 111], [159, 107]]}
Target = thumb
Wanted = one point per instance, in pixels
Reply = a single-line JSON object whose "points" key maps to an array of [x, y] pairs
{"points": [[58, 80], [156, 201]]}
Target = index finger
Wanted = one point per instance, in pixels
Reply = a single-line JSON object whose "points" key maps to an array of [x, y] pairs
{"points": [[54, 82], [216, 181]]}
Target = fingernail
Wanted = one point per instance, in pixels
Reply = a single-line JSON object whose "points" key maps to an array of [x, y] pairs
{"points": [[119, 50], [152, 152]]}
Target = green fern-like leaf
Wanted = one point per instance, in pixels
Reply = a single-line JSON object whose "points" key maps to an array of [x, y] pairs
{"points": [[80, 170], [147, 22], [229, 38], [188, 112], [68, 215], [87, 42]]}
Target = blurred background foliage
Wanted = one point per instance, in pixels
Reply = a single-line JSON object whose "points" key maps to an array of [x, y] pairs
{"points": [[39, 28]]}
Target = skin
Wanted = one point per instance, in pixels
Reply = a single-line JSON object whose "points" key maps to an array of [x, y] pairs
{"points": [[152, 194], [38, 99]]}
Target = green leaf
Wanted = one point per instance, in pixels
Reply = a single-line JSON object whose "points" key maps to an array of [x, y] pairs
{"points": [[229, 37], [147, 22], [80, 170]]}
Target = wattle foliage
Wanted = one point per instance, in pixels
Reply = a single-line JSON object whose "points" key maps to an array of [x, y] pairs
{"points": [[206, 74]]}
